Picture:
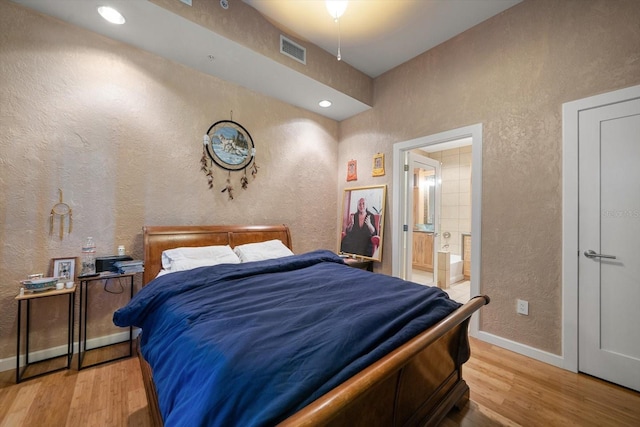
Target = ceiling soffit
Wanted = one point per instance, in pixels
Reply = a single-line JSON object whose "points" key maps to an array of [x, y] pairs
{"points": [[244, 25]]}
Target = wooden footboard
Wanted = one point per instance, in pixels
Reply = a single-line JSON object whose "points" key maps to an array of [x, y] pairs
{"points": [[417, 384]]}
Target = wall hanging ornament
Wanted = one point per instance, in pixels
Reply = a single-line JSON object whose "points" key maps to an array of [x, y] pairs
{"points": [[230, 146], [62, 211]]}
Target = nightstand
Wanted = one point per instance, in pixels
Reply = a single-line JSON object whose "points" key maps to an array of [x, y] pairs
{"points": [[27, 298], [363, 264], [85, 305]]}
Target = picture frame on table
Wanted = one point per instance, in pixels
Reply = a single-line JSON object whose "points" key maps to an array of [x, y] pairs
{"points": [[63, 268], [363, 212]]}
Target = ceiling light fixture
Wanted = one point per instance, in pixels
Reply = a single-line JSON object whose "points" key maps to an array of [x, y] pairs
{"points": [[111, 15], [325, 103], [336, 8]]}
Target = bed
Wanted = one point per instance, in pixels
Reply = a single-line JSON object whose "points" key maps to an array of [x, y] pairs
{"points": [[413, 382]]}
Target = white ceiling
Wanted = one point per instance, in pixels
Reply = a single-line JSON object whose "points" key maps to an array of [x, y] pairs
{"points": [[376, 35]]}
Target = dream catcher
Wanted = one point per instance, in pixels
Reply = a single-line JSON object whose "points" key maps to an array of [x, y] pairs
{"points": [[229, 146], [60, 212]]}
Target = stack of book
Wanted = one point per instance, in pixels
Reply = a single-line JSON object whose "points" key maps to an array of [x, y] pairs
{"points": [[133, 266]]}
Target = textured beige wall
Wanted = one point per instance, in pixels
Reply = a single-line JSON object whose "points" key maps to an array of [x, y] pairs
{"points": [[512, 73], [120, 131]]}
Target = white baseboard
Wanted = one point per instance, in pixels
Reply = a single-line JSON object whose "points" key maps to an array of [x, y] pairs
{"points": [[10, 363], [525, 350]]}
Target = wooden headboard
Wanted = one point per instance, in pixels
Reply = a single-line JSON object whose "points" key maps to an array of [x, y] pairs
{"points": [[159, 238]]}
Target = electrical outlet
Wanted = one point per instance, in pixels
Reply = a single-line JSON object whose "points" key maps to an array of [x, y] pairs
{"points": [[522, 307]]}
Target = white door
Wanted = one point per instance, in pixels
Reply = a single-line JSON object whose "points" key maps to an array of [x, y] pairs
{"points": [[415, 166], [609, 242]]}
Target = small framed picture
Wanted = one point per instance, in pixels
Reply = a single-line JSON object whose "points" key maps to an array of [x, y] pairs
{"points": [[378, 164], [63, 268], [352, 170]]}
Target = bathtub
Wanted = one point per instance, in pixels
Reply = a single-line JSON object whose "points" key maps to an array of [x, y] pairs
{"points": [[455, 269]]}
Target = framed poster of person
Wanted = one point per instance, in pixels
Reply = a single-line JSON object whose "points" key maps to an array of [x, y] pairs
{"points": [[362, 221]]}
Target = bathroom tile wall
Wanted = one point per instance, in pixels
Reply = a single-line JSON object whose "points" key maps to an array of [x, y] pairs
{"points": [[455, 206]]}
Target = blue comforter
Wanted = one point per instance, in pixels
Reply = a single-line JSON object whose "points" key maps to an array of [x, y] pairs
{"points": [[250, 344]]}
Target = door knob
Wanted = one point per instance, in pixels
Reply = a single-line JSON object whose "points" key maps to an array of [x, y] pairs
{"points": [[592, 254]]}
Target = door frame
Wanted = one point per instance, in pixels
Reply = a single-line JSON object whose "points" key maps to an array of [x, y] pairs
{"points": [[570, 232], [399, 149]]}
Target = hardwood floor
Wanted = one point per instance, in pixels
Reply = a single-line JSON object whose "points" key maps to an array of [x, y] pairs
{"points": [[107, 395], [510, 389], [506, 389]]}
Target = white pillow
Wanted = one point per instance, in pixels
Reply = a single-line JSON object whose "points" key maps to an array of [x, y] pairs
{"points": [[263, 250], [188, 264], [191, 257]]}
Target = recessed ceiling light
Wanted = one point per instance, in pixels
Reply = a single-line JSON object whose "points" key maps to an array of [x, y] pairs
{"points": [[111, 15], [325, 103]]}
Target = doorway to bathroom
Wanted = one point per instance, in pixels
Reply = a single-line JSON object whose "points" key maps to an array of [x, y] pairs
{"points": [[448, 213], [440, 217], [423, 217]]}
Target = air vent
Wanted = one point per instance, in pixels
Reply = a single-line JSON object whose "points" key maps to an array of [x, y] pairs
{"points": [[293, 50]]}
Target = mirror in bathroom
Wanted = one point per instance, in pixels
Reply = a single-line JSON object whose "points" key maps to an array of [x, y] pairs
{"points": [[424, 194]]}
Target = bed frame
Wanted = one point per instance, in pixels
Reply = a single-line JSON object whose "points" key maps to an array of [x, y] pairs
{"points": [[417, 384]]}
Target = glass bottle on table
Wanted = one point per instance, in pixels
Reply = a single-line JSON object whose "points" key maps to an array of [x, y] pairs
{"points": [[88, 257]]}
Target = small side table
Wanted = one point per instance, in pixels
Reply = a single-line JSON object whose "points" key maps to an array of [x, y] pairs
{"points": [[363, 264], [27, 298], [84, 310]]}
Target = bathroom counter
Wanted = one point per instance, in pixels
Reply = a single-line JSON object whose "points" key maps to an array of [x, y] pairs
{"points": [[422, 257]]}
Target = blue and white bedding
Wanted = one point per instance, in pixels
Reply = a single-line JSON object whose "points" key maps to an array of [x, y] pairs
{"points": [[250, 344]]}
